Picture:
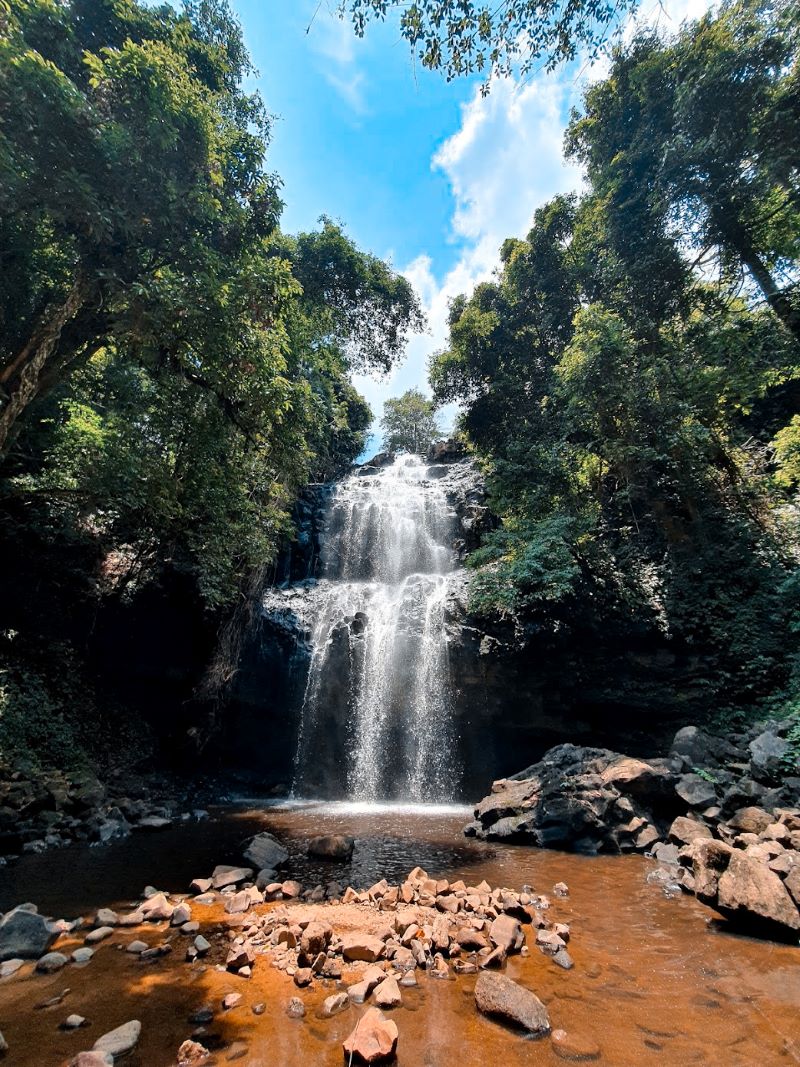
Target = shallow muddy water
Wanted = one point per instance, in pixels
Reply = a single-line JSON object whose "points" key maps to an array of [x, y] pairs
{"points": [[656, 980]]}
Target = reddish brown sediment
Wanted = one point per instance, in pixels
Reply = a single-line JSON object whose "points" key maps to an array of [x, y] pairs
{"points": [[653, 981]]}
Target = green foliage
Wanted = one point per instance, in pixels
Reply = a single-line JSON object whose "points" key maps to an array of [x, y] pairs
{"points": [[172, 367], [460, 37], [409, 423], [627, 407]]}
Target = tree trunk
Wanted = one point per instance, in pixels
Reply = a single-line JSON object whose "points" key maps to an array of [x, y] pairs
{"points": [[20, 377]]}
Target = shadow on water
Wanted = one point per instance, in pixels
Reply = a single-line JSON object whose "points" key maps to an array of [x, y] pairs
{"points": [[654, 982]]}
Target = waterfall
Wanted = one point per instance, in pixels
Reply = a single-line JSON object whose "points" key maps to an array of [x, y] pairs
{"points": [[376, 620]]}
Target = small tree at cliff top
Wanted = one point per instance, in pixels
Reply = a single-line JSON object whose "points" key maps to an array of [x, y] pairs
{"points": [[409, 423]]}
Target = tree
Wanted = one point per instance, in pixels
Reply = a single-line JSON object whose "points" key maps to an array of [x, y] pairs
{"points": [[460, 37], [182, 366], [409, 423], [634, 414], [654, 138]]}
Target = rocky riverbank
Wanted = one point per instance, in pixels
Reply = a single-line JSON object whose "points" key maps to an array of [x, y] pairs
{"points": [[723, 812], [361, 947], [42, 810]]}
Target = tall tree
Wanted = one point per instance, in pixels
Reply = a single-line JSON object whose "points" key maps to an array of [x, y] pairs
{"points": [[703, 133], [409, 423]]}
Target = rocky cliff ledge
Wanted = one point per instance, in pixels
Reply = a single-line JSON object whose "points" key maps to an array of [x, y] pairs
{"points": [[722, 813]]}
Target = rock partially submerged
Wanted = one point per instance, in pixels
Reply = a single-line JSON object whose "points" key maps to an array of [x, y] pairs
{"points": [[374, 1039], [580, 799], [504, 999], [265, 852]]}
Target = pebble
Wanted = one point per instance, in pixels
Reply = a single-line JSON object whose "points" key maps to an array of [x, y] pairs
{"points": [[73, 1022], [9, 967], [137, 947], [295, 1009], [51, 962], [231, 1000], [574, 1046], [82, 955], [100, 934]]}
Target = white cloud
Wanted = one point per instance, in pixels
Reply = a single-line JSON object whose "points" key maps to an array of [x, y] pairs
{"points": [[334, 41]]}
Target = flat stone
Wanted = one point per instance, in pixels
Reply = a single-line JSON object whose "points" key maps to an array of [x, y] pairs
{"points": [[94, 937], [137, 947], [502, 998], [82, 955], [225, 876], [335, 1003], [93, 1059], [9, 967], [577, 1047], [121, 1040]]}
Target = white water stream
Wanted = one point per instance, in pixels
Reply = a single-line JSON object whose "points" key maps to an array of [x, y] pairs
{"points": [[378, 616]]}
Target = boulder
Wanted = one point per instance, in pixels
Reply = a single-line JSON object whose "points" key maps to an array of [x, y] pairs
{"points": [[749, 893], [331, 847], [767, 753], [578, 799], [696, 791], [750, 820], [500, 997], [25, 935], [264, 851], [374, 1040], [120, 1041]]}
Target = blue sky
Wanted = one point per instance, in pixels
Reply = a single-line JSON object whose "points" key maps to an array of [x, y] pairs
{"points": [[430, 175]]}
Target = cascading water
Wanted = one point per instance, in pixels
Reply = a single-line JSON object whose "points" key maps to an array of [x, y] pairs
{"points": [[377, 627]]}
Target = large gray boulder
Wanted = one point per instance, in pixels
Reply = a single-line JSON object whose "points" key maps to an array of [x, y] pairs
{"points": [[581, 799], [25, 935], [767, 754], [264, 851]]}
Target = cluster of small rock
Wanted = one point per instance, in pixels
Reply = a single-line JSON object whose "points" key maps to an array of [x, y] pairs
{"points": [[39, 811], [742, 792], [368, 945], [445, 929]]}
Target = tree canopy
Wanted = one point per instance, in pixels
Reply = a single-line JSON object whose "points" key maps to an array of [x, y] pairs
{"points": [[631, 379], [460, 37], [173, 368], [409, 423]]}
